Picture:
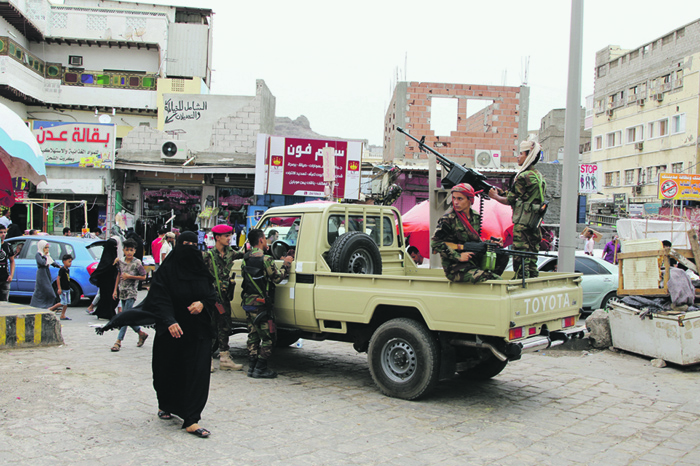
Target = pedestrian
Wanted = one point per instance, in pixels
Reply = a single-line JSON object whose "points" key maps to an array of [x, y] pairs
{"points": [[66, 231], [459, 226], [167, 245], [612, 250], [131, 271], [104, 277], [63, 283], [260, 275], [5, 220], [420, 261], [219, 261], [7, 265], [156, 244], [589, 242], [13, 231], [44, 297], [526, 196], [180, 302]]}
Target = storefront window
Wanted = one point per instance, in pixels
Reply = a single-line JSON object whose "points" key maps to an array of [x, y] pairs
{"points": [[160, 204]]}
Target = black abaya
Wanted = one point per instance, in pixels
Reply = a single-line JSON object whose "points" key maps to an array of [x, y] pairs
{"points": [[105, 278]]}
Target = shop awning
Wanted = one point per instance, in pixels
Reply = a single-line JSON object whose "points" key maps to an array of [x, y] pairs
{"points": [[208, 169]]}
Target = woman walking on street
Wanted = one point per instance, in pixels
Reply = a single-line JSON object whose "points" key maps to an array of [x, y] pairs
{"points": [[44, 296], [105, 277], [181, 302]]}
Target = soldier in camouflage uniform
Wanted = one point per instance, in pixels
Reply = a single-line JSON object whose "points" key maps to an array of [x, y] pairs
{"points": [[260, 275], [219, 261], [526, 196], [460, 226]]}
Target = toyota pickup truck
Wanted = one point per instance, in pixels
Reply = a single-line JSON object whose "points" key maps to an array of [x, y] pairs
{"points": [[352, 281]]}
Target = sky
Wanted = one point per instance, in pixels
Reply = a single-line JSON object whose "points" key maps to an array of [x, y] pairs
{"points": [[336, 62]]}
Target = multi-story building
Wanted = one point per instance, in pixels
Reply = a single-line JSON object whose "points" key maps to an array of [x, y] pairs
{"points": [[646, 108], [86, 63], [551, 135]]}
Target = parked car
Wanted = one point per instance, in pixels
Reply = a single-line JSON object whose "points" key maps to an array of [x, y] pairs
{"points": [[86, 255], [600, 278]]}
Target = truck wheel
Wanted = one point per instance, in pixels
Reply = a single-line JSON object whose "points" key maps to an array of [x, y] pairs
{"points": [[355, 252], [404, 359], [485, 370]]}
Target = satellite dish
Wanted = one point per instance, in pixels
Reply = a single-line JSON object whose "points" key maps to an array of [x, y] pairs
{"points": [[484, 158], [169, 149], [105, 119]]}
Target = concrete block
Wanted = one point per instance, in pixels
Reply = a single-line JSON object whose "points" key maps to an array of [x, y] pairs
{"points": [[598, 324], [23, 326]]}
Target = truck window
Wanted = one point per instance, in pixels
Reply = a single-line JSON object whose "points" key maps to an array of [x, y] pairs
{"points": [[287, 229], [370, 225]]}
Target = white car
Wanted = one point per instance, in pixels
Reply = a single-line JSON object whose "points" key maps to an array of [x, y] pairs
{"points": [[600, 278]]}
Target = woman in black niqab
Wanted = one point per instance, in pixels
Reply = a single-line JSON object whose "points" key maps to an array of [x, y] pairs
{"points": [[105, 277], [181, 302]]}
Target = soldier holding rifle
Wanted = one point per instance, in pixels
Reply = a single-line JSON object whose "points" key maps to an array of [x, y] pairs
{"points": [[454, 230], [526, 196]]}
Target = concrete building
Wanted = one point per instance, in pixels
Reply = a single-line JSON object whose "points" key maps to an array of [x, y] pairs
{"points": [[96, 62], [551, 135], [646, 108]]}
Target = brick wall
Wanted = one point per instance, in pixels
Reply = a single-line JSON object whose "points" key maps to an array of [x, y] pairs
{"points": [[497, 127]]}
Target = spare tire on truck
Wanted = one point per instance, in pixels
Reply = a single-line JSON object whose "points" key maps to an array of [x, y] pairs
{"points": [[355, 252]]}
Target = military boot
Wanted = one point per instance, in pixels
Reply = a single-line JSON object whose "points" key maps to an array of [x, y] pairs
{"points": [[226, 364], [252, 361], [261, 370]]}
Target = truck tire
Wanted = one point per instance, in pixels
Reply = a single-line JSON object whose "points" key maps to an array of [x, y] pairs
{"points": [[355, 252], [404, 359], [485, 370]]}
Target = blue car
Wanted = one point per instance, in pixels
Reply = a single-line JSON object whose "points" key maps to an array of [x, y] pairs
{"points": [[86, 255]]}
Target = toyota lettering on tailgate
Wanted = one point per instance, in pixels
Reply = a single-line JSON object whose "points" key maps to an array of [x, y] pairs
{"points": [[546, 303]]}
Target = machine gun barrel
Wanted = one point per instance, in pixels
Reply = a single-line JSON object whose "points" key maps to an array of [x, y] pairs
{"points": [[457, 173]]}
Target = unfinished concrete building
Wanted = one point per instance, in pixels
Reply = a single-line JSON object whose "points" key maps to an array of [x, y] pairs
{"points": [[483, 123]]}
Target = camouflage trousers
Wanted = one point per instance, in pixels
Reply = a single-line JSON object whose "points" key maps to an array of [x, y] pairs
{"points": [[526, 239], [260, 338], [222, 327], [468, 272]]}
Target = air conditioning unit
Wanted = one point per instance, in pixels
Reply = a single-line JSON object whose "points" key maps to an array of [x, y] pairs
{"points": [[659, 97], [75, 60], [609, 112], [487, 158], [175, 151], [637, 190], [639, 145], [641, 102]]}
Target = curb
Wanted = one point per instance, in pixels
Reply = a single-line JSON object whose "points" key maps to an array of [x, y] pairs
{"points": [[24, 326]]}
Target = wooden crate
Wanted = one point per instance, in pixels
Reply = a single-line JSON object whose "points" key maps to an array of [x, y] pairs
{"points": [[664, 254]]}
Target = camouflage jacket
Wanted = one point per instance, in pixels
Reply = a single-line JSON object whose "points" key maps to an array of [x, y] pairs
{"points": [[274, 277], [450, 229], [526, 187], [223, 268]]}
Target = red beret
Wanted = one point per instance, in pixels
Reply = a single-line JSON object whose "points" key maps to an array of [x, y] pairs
{"points": [[222, 229]]}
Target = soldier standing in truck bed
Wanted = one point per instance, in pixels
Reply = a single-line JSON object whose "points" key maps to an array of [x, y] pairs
{"points": [[459, 226], [526, 196]]}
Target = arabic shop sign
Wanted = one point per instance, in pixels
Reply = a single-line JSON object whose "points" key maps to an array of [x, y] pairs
{"points": [[294, 166], [179, 109], [86, 145], [682, 186]]}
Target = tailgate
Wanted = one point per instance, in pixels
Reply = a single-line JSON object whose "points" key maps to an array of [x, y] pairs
{"points": [[545, 300]]}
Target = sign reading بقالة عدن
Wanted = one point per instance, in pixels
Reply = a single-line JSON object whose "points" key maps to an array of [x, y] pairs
{"points": [[589, 178], [682, 186], [87, 145], [294, 167]]}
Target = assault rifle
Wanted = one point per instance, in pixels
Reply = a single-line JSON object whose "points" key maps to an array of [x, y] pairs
{"points": [[484, 253], [457, 173]]}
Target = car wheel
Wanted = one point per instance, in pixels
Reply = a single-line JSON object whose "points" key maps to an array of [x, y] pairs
{"points": [[404, 359], [355, 252], [610, 298]]}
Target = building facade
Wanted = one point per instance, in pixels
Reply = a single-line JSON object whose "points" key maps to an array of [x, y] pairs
{"points": [[646, 107], [551, 135]]}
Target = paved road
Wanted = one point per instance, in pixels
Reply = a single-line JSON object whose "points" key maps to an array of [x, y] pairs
{"points": [[80, 404]]}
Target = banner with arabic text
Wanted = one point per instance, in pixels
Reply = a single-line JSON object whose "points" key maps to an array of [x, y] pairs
{"points": [[87, 145], [295, 167], [682, 186]]}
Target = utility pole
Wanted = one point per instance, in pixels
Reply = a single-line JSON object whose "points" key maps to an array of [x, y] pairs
{"points": [[569, 197]]}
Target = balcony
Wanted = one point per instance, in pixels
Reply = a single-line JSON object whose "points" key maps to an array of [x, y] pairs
{"points": [[12, 49], [115, 80]]}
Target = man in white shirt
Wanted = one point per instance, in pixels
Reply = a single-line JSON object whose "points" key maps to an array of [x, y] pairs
{"points": [[5, 219], [420, 261], [167, 245]]}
